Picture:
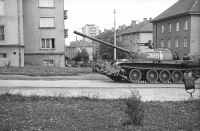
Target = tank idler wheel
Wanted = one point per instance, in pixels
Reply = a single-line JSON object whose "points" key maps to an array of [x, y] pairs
{"points": [[197, 73], [135, 75], [177, 76], [164, 76], [152, 76]]}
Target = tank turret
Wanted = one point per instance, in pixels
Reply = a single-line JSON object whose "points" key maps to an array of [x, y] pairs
{"points": [[149, 65], [141, 52]]}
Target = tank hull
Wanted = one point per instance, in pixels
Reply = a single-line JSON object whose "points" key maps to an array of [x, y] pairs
{"points": [[151, 72]]}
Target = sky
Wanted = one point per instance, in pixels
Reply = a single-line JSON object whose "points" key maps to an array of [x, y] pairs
{"points": [[101, 13]]}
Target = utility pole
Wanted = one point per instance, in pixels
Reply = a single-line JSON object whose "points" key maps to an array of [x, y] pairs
{"points": [[76, 44], [18, 12], [114, 37]]}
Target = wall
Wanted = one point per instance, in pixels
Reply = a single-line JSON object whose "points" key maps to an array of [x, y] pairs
{"points": [[33, 33], [195, 35], [13, 31], [12, 55], [157, 35], [38, 59], [145, 37]]}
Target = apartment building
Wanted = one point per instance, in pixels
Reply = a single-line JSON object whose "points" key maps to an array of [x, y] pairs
{"points": [[44, 32], [90, 30], [135, 34], [32, 32], [11, 33], [178, 28]]}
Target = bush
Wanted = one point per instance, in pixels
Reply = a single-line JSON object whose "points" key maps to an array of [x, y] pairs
{"points": [[134, 109]]}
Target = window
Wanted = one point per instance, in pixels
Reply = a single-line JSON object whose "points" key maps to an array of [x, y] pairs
{"points": [[162, 43], [169, 43], [48, 62], [46, 3], [47, 22], [2, 7], [162, 28], [2, 33], [170, 27], [176, 42], [185, 25], [48, 43], [177, 26], [65, 33], [2, 55], [185, 42]]}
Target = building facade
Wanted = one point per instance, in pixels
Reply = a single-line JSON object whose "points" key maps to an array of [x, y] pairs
{"points": [[137, 33], [11, 33], [178, 28], [90, 30], [44, 32], [32, 32]]}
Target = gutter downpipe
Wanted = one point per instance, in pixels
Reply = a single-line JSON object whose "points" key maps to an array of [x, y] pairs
{"points": [[156, 36], [18, 13]]}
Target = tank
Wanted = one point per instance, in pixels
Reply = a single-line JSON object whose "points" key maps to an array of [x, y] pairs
{"points": [[148, 65]]}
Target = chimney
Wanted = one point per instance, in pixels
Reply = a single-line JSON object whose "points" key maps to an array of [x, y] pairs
{"points": [[124, 27], [145, 20], [120, 28], [133, 23]]}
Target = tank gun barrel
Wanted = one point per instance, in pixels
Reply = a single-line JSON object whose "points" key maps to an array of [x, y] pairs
{"points": [[103, 42]]}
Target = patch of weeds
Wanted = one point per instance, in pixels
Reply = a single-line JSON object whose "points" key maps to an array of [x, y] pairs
{"points": [[81, 98], [13, 97], [35, 98], [134, 109]]}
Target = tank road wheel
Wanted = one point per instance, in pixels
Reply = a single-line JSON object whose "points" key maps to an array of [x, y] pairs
{"points": [[152, 76], [164, 76], [177, 76], [134, 75]]}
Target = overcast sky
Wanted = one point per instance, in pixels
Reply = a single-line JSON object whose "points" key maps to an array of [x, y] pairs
{"points": [[101, 13]]}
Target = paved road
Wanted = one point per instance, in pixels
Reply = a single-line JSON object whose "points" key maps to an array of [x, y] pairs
{"points": [[97, 88]]}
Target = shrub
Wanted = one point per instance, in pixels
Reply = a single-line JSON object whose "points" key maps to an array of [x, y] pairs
{"points": [[134, 109]]}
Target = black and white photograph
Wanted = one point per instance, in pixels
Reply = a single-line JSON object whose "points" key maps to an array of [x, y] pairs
{"points": [[100, 65]]}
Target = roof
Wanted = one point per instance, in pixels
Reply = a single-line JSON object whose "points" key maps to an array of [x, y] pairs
{"points": [[105, 35], [144, 26], [182, 7], [80, 44]]}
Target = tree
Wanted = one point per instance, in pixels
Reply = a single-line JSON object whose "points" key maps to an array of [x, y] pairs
{"points": [[106, 56], [84, 55], [81, 56], [109, 37], [77, 58]]}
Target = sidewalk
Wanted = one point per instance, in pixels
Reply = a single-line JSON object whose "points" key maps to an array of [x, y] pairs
{"points": [[103, 89]]}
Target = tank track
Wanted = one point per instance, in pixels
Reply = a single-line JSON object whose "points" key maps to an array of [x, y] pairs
{"points": [[120, 76]]}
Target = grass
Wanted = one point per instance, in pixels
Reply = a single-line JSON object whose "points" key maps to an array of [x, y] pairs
{"points": [[19, 113], [43, 71]]}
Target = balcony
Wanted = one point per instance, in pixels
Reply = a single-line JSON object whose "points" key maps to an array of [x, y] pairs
{"points": [[65, 33], [65, 14]]}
